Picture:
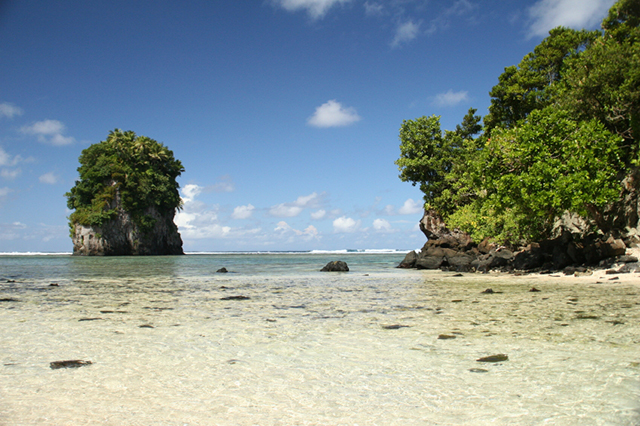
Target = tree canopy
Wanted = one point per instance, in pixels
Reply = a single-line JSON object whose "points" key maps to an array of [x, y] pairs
{"points": [[561, 134], [136, 170]]}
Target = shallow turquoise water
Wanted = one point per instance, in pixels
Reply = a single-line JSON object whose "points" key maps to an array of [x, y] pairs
{"points": [[276, 342]]}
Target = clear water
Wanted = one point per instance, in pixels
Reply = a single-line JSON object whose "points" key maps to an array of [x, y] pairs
{"points": [[171, 343]]}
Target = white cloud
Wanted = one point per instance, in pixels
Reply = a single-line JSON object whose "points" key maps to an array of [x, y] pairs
{"points": [[548, 14], [451, 98], [285, 210], [7, 160], [345, 224], [49, 131], [333, 114], [190, 192], [457, 9], [49, 178], [319, 214], [284, 229], [410, 207], [316, 9], [197, 220], [225, 184], [405, 32], [243, 212], [5, 191], [10, 174], [45, 127], [295, 208], [9, 110], [381, 225], [373, 9], [11, 231]]}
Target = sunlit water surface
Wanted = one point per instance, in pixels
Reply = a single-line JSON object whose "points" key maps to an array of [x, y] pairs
{"points": [[276, 342]]}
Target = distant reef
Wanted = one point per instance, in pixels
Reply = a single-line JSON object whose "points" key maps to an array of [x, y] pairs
{"points": [[125, 200]]}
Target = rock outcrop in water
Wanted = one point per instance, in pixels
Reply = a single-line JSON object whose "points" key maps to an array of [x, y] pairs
{"points": [[122, 236], [126, 198], [335, 266]]}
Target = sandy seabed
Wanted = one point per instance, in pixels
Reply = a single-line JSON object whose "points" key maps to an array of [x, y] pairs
{"points": [[346, 349]]}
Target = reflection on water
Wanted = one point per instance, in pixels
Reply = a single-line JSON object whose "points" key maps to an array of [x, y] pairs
{"points": [[172, 343]]}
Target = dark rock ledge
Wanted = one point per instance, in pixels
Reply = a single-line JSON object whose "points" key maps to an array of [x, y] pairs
{"points": [[572, 250]]}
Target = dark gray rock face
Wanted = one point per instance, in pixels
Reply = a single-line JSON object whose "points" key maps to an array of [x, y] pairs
{"points": [[335, 266], [453, 250], [121, 237]]}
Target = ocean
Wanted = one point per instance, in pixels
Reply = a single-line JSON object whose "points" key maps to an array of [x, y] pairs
{"points": [[274, 341]]}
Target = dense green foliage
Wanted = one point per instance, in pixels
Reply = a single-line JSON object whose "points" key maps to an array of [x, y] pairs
{"points": [[137, 169], [560, 135]]}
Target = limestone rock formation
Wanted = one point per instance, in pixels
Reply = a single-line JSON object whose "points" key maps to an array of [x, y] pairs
{"points": [[121, 236]]}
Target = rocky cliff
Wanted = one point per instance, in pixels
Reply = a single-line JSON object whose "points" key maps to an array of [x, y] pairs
{"points": [[122, 236], [572, 246]]}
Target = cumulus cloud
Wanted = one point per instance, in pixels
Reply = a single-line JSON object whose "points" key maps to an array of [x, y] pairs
{"points": [[410, 207], [333, 114], [49, 178], [316, 9], [381, 225], [451, 98], [9, 110], [405, 32], [196, 219], [345, 224], [243, 212], [190, 192], [49, 131], [319, 214], [548, 14], [293, 209], [284, 229]]}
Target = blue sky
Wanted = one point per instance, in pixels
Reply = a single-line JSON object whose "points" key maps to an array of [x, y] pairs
{"points": [[285, 113]]}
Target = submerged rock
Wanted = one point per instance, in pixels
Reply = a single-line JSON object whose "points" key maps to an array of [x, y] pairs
{"points": [[73, 363], [494, 358], [446, 336], [394, 326], [235, 298], [335, 266], [222, 270]]}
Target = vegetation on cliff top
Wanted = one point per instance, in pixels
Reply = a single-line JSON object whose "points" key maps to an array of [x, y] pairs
{"points": [[127, 171], [561, 135]]}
